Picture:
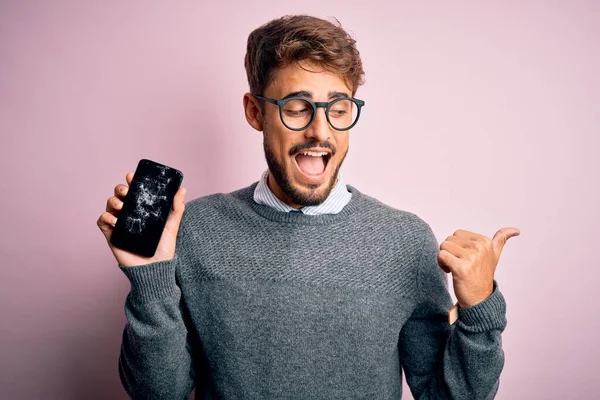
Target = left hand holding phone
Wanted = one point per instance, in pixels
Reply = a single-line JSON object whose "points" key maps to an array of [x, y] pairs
{"points": [[166, 247]]}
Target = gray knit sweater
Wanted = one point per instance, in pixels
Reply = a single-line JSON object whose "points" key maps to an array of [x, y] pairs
{"points": [[262, 304]]}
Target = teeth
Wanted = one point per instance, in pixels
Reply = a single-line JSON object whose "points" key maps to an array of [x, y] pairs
{"points": [[314, 153]]}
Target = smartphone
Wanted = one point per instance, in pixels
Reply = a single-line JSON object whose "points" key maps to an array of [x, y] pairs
{"points": [[149, 201]]}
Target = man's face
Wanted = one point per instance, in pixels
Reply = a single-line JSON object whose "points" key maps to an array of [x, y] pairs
{"points": [[303, 180]]}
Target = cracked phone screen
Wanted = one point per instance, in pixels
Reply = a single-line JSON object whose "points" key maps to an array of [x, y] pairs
{"points": [[146, 208], [150, 198]]}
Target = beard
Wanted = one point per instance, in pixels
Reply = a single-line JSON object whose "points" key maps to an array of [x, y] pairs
{"points": [[284, 181]]}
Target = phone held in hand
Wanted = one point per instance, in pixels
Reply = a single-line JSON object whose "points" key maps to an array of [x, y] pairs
{"points": [[149, 201]]}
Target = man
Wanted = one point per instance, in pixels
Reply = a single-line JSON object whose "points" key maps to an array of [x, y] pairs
{"points": [[300, 286]]}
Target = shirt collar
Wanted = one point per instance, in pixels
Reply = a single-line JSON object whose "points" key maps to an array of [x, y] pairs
{"points": [[333, 204]]}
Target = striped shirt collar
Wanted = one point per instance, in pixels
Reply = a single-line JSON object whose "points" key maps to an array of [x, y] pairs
{"points": [[333, 204]]}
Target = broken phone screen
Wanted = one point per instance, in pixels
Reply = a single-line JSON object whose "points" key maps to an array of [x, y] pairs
{"points": [[142, 219]]}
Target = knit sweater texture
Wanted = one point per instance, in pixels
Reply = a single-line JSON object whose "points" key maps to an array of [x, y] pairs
{"points": [[263, 304]]}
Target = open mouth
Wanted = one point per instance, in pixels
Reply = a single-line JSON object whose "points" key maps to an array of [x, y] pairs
{"points": [[312, 163]]}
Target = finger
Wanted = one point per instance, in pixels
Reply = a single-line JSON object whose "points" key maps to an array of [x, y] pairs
{"points": [[129, 177], [455, 249], [106, 222], [114, 205], [176, 214], [179, 200], [463, 242], [447, 261], [468, 234], [121, 191], [501, 237]]}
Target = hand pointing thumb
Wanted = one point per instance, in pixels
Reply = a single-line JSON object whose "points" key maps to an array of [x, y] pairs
{"points": [[501, 237]]}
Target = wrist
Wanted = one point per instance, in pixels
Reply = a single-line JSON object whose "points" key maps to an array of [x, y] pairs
{"points": [[472, 301]]}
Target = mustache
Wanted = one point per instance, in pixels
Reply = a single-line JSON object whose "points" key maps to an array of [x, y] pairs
{"points": [[299, 147]]}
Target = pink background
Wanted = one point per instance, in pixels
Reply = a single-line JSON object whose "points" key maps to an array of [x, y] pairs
{"points": [[477, 117]]}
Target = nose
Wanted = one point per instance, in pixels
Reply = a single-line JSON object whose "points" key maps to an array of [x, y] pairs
{"points": [[319, 130]]}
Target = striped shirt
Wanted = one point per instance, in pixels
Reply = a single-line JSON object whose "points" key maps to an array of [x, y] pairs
{"points": [[335, 202]]}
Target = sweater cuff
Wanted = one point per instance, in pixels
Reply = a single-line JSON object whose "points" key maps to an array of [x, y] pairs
{"points": [[490, 314], [153, 281]]}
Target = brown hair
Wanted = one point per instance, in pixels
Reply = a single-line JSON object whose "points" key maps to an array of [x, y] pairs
{"points": [[294, 38]]}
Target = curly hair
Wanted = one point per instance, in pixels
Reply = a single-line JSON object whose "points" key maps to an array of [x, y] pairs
{"points": [[294, 38]]}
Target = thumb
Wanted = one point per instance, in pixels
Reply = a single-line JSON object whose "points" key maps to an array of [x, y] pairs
{"points": [[502, 236], [176, 214]]}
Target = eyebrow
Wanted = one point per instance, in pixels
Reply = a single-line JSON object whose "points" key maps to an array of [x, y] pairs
{"points": [[303, 93]]}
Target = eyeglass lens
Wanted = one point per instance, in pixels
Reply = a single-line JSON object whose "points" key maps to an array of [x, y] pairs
{"points": [[298, 113]]}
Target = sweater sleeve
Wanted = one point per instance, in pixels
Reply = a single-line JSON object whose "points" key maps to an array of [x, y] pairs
{"points": [[459, 361], [155, 361]]}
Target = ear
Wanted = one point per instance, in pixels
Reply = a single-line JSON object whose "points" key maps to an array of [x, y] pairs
{"points": [[253, 113]]}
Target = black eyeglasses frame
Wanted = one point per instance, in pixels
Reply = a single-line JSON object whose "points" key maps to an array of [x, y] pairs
{"points": [[315, 105]]}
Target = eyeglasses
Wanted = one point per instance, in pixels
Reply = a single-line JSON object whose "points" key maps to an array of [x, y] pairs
{"points": [[297, 113]]}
